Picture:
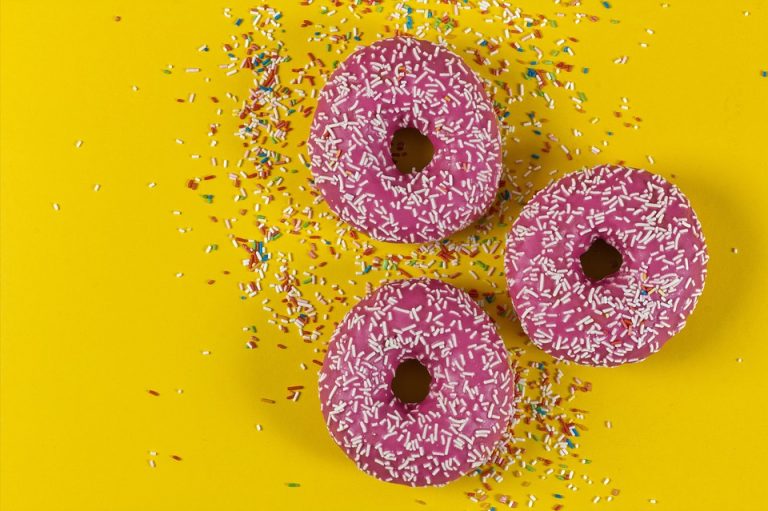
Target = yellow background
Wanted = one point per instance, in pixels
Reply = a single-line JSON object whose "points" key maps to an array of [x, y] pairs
{"points": [[93, 314]]}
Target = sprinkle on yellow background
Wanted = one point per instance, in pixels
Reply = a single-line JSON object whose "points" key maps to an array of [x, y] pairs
{"points": [[93, 314]]}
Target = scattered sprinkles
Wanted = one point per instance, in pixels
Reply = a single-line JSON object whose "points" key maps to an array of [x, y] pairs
{"points": [[529, 67]]}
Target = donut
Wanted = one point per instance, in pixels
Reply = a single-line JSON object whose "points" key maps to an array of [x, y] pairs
{"points": [[470, 399], [627, 315], [390, 85]]}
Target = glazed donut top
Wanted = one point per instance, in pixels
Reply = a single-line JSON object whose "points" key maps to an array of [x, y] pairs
{"points": [[625, 316], [398, 83], [470, 400]]}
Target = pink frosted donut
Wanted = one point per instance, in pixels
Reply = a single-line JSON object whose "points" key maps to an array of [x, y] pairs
{"points": [[470, 399], [630, 314], [400, 83]]}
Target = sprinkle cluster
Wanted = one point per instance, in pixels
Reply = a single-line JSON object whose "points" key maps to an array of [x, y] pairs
{"points": [[627, 315], [293, 249]]}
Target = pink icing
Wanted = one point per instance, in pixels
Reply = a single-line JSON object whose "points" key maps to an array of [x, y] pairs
{"points": [[392, 84], [626, 316], [470, 400]]}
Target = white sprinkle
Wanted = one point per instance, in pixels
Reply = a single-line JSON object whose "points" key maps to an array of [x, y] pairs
{"points": [[56, 206], [79, 144]]}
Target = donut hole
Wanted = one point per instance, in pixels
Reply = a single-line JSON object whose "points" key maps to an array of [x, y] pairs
{"points": [[411, 381], [600, 260], [411, 150]]}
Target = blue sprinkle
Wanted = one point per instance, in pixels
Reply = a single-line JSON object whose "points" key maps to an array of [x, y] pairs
{"points": [[764, 74], [538, 132], [557, 495], [585, 70], [278, 16], [607, 5], [531, 72], [535, 156], [238, 22], [570, 444]]}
